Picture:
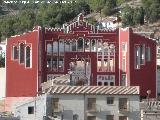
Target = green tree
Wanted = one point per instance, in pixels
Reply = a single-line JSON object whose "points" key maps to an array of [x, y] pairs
{"points": [[27, 19], [152, 9], [119, 2], [138, 16], [109, 7], [154, 12], [127, 16]]}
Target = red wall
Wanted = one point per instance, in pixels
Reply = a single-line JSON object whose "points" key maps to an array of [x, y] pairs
{"points": [[145, 77], [22, 81]]}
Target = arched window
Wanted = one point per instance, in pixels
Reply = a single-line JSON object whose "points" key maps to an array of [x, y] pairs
{"points": [[74, 45], [61, 47], [49, 49], [28, 57], [55, 48], [15, 52], [87, 45], [80, 45], [21, 53]]}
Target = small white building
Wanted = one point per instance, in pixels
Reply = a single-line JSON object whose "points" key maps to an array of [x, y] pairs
{"points": [[2, 83], [110, 22], [150, 109], [2, 49], [83, 103]]}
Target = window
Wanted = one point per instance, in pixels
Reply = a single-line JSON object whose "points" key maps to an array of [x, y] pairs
{"points": [[87, 45], [15, 52], [122, 117], [123, 65], [61, 65], [28, 57], [55, 64], [55, 103], [99, 46], [137, 57], [99, 65], [67, 46], [74, 43], [80, 45], [148, 54], [91, 118], [111, 65], [110, 100], [110, 117], [105, 83], [123, 80], [93, 46], [111, 83], [49, 49], [142, 54], [75, 117], [99, 83], [31, 110], [123, 104], [91, 104], [61, 47], [21, 53], [55, 48]]}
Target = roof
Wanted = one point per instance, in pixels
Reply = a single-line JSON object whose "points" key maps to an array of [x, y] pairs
{"points": [[100, 90]]}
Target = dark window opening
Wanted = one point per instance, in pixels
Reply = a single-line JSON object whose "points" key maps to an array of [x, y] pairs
{"points": [[22, 53], [28, 57], [105, 83], [99, 83], [111, 83], [31, 110], [15, 52]]}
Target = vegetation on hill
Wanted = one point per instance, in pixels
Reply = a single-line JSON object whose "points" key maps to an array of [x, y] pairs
{"points": [[16, 18]]}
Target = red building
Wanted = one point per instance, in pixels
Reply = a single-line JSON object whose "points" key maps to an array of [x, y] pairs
{"points": [[96, 56]]}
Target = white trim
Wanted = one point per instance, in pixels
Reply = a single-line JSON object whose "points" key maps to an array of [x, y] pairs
{"points": [[119, 57], [20, 42], [28, 45], [137, 54], [128, 78], [38, 60]]}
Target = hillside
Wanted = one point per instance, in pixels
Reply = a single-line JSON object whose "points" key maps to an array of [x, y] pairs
{"points": [[16, 18]]}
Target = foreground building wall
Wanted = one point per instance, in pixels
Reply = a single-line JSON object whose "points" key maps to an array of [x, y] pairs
{"points": [[83, 103]]}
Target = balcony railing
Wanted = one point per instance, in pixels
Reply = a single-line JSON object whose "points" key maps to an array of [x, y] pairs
{"points": [[124, 109]]}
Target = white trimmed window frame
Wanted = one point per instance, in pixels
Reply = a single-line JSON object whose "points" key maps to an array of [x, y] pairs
{"points": [[13, 52], [21, 42], [137, 56], [28, 45]]}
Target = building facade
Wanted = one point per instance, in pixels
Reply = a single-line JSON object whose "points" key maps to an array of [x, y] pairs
{"points": [[83, 103], [90, 55]]}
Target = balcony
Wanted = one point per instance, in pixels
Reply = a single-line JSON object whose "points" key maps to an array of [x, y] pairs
{"points": [[123, 109], [57, 108], [92, 108]]}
